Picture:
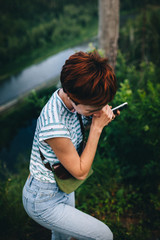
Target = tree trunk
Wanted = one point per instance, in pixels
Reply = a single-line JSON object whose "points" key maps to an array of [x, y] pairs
{"points": [[109, 28]]}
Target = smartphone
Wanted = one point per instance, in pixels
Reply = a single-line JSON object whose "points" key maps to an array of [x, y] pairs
{"points": [[120, 107]]}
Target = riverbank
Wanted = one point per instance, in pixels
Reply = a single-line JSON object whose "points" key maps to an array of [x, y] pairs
{"points": [[22, 111], [37, 55], [15, 102], [35, 77]]}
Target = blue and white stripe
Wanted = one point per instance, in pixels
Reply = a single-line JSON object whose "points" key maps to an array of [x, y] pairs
{"points": [[55, 120]]}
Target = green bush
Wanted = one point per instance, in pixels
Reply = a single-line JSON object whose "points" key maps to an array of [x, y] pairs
{"points": [[142, 36], [134, 136], [124, 191], [14, 221]]}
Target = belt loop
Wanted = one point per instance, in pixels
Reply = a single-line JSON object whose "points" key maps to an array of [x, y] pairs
{"points": [[30, 180]]}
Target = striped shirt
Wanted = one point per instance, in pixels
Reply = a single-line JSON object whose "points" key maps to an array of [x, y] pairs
{"points": [[55, 120]]}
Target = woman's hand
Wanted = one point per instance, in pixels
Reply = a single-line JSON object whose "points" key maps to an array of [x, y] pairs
{"points": [[102, 118], [65, 151]]}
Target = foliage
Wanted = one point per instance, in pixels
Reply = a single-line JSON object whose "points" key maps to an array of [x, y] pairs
{"points": [[142, 36], [127, 5], [125, 186], [14, 222], [42, 25]]}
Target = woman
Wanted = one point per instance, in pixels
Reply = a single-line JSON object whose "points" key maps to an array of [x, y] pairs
{"points": [[88, 85]]}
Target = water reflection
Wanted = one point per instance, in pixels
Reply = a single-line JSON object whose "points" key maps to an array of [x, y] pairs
{"points": [[35, 75]]}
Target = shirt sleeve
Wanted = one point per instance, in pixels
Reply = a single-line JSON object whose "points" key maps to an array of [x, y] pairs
{"points": [[53, 130]]}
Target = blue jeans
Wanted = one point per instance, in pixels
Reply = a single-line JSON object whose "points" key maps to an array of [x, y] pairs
{"points": [[55, 210]]}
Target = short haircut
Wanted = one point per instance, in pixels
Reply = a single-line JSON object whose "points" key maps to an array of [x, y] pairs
{"points": [[88, 79]]}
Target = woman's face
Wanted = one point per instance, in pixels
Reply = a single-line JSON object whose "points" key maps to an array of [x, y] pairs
{"points": [[85, 110]]}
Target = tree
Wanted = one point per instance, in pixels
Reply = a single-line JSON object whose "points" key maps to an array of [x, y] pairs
{"points": [[109, 28]]}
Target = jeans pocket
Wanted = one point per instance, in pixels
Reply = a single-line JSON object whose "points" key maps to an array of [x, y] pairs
{"points": [[45, 195], [45, 198]]}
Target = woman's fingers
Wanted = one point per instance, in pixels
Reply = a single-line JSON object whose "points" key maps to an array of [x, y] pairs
{"points": [[118, 112], [108, 113], [105, 116]]}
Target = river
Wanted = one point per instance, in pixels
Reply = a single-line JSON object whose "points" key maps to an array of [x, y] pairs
{"points": [[34, 76], [38, 75]]}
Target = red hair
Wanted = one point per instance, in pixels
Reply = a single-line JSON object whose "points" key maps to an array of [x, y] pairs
{"points": [[88, 79]]}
